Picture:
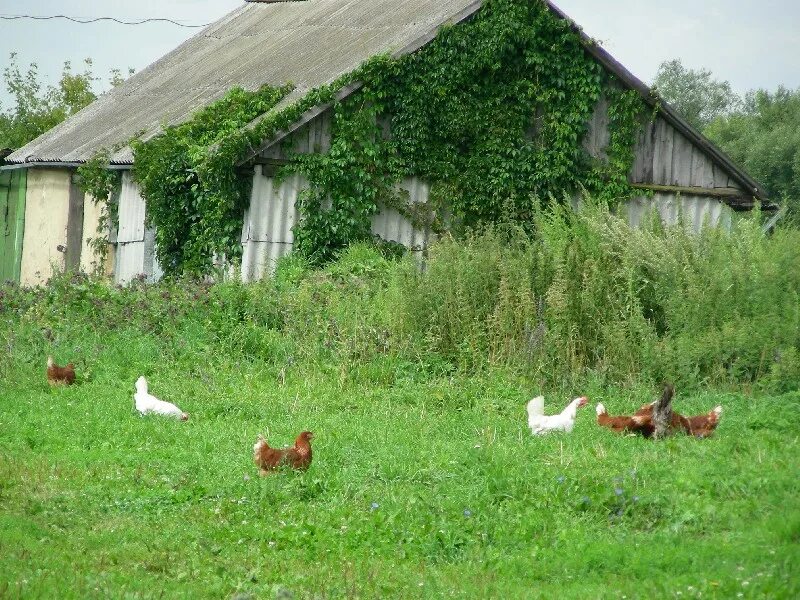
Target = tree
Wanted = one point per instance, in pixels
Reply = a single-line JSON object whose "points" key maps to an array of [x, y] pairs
{"points": [[37, 108], [695, 94], [764, 138]]}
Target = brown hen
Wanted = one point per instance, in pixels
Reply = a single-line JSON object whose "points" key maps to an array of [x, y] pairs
{"points": [[270, 459], [643, 423], [60, 375]]}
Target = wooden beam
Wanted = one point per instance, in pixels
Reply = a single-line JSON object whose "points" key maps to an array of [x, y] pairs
{"points": [[725, 192], [735, 198]]}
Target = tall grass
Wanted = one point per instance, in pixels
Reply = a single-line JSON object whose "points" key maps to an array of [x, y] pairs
{"points": [[591, 296], [585, 299]]}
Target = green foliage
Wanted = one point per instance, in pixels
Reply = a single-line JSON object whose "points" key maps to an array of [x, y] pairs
{"points": [[592, 295], [345, 185], [585, 299], [38, 108], [695, 94], [195, 195], [493, 113], [608, 180], [102, 184], [96, 179], [764, 137], [195, 220]]}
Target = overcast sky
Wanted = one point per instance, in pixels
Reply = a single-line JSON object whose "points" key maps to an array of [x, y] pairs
{"points": [[751, 43]]}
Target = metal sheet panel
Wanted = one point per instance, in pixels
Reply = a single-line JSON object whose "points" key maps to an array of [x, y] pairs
{"points": [[390, 225], [129, 262], [267, 230], [135, 255], [259, 259], [695, 211], [134, 260], [272, 212], [131, 211]]}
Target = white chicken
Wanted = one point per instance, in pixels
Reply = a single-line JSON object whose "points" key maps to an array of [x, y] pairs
{"points": [[565, 421], [145, 403]]}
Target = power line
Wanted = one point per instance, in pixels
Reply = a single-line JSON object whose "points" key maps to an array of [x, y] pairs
{"points": [[85, 21]]}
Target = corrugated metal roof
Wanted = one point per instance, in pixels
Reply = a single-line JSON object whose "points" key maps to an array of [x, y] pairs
{"points": [[308, 43]]}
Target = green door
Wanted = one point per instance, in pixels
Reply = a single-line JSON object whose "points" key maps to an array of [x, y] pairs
{"points": [[12, 222]]}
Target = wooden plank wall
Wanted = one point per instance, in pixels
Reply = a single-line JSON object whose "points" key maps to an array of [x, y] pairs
{"points": [[665, 156], [314, 136], [598, 136], [72, 258]]}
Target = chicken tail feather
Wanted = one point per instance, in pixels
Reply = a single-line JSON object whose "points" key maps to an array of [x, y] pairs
{"points": [[536, 407]]}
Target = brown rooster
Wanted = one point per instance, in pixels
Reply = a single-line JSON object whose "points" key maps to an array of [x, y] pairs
{"points": [[270, 459], [60, 375]]}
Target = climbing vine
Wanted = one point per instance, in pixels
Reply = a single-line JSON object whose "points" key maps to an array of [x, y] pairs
{"points": [[492, 113], [196, 221], [101, 183]]}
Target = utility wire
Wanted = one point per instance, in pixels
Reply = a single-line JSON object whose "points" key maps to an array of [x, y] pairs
{"points": [[84, 21]]}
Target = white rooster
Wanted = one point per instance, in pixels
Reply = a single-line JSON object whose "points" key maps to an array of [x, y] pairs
{"points": [[145, 403], [565, 421]]}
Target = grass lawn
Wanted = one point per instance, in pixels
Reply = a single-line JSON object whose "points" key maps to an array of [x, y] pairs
{"points": [[423, 488]]}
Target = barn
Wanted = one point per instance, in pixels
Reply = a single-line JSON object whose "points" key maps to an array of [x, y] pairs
{"points": [[49, 222]]}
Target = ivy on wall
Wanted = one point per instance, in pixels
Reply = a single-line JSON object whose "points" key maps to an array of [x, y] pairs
{"points": [[101, 183], [194, 220], [492, 113]]}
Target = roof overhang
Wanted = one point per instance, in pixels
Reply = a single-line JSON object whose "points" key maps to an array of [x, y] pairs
{"points": [[54, 164]]}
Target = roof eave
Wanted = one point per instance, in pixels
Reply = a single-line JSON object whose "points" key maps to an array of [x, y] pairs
{"points": [[57, 164]]}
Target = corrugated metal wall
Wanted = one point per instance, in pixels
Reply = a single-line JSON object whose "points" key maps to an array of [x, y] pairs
{"points": [[694, 211], [135, 244], [267, 231], [390, 225]]}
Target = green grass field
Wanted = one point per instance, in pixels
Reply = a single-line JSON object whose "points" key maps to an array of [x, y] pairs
{"points": [[426, 482], [421, 488]]}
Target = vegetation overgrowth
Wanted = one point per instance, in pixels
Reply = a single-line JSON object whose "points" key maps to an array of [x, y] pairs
{"points": [[425, 480], [492, 113]]}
